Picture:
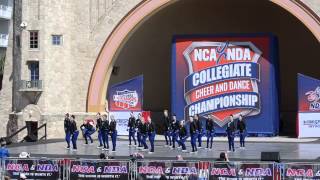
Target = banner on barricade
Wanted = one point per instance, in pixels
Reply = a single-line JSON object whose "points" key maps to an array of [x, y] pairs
{"points": [[302, 171], [252, 171], [33, 168], [171, 170], [93, 169]]}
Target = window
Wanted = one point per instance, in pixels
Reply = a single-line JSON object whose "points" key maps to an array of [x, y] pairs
{"points": [[34, 70], [56, 40], [34, 40]]}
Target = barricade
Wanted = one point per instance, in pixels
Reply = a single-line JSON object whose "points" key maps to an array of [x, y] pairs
{"points": [[33, 168], [99, 169], [301, 171], [55, 169], [1, 170], [171, 169], [206, 170], [243, 170]]}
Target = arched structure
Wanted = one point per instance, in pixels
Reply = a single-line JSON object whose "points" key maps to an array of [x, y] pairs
{"points": [[105, 60]]}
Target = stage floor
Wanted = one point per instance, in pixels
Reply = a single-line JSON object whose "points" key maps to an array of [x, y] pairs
{"points": [[289, 151]]}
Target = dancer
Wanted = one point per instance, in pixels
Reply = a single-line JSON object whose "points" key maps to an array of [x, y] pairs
{"points": [[241, 126], [99, 126], [230, 133], [132, 129], [83, 128], [144, 134], [199, 130], [105, 132], [182, 136], [174, 130], [113, 132], [74, 132], [210, 132], [138, 129], [67, 127], [151, 133], [193, 134], [166, 122], [88, 131]]}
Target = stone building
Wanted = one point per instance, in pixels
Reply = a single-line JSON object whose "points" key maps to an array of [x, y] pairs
{"points": [[61, 54], [5, 17]]}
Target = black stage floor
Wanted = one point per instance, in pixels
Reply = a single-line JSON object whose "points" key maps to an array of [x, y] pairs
{"points": [[289, 151]]}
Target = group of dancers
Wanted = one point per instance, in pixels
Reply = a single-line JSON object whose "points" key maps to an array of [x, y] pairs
{"points": [[175, 131], [104, 127], [142, 128]]}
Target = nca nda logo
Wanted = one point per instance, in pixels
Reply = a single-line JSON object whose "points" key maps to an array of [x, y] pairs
{"points": [[126, 99], [314, 99], [223, 79]]}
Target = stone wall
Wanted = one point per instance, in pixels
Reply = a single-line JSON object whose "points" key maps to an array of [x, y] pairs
{"points": [[6, 93], [65, 70]]}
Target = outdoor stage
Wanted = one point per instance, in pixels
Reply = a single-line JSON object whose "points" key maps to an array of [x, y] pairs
{"points": [[290, 149]]}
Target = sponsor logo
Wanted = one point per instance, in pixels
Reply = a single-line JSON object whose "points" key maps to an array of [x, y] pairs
{"points": [[314, 98], [126, 99], [312, 123], [223, 79]]}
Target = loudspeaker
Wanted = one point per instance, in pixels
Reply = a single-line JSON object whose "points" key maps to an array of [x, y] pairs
{"points": [[270, 156], [115, 70]]}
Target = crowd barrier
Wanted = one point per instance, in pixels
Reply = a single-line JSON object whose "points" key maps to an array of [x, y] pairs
{"points": [[77, 169], [205, 170], [34, 168], [99, 169]]}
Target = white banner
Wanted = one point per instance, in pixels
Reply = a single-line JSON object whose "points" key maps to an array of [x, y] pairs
{"points": [[122, 118], [309, 124]]}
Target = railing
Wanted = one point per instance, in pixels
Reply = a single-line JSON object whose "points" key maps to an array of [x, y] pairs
{"points": [[45, 131], [5, 11], [154, 169], [33, 85], [36, 132], [4, 39], [9, 138]]}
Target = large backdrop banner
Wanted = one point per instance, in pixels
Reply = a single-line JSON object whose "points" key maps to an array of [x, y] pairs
{"points": [[223, 75], [309, 106]]}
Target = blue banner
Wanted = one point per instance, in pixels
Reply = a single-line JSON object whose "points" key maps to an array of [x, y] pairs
{"points": [[309, 106], [127, 95], [308, 94]]}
